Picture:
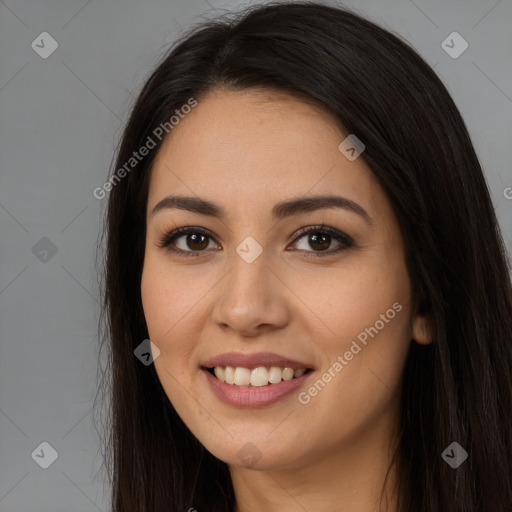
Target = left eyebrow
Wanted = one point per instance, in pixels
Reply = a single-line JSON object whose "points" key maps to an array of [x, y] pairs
{"points": [[279, 211]]}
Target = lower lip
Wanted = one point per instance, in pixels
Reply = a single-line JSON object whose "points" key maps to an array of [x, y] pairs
{"points": [[254, 396]]}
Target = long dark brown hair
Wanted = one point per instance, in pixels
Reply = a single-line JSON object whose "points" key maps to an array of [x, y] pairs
{"points": [[457, 389]]}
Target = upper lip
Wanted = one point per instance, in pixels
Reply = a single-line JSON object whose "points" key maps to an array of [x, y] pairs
{"points": [[250, 361]]}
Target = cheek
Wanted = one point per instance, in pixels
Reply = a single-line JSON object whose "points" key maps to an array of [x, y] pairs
{"points": [[365, 319], [171, 301], [155, 294], [167, 299], [353, 297], [163, 308]]}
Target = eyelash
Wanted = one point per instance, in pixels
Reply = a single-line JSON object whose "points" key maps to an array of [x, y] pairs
{"points": [[346, 241]]}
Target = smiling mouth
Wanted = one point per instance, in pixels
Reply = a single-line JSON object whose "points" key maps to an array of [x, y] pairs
{"points": [[255, 377]]}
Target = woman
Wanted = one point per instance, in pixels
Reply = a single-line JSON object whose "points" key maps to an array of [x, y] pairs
{"points": [[299, 223]]}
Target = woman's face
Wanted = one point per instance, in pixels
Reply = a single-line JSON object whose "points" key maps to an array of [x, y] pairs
{"points": [[339, 307]]}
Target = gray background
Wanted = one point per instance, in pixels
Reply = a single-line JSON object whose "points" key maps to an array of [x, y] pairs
{"points": [[60, 120]]}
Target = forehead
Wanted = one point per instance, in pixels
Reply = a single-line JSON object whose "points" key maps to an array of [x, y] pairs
{"points": [[253, 145]]}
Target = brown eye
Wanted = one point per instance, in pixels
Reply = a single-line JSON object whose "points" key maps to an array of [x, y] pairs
{"points": [[320, 239], [195, 241]]}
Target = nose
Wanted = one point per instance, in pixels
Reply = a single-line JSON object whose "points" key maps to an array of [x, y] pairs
{"points": [[252, 299]]}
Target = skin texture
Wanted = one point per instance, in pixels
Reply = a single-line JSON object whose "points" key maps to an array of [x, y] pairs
{"points": [[247, 151]]}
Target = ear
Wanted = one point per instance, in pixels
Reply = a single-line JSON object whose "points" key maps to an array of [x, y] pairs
{"points": [[422, 330]]}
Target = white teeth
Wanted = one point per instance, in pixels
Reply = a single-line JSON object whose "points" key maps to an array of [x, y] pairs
{"points": [[219, 373], [260, 376], [242, 376], [229, 375], [288, 374], [275, 374]]}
